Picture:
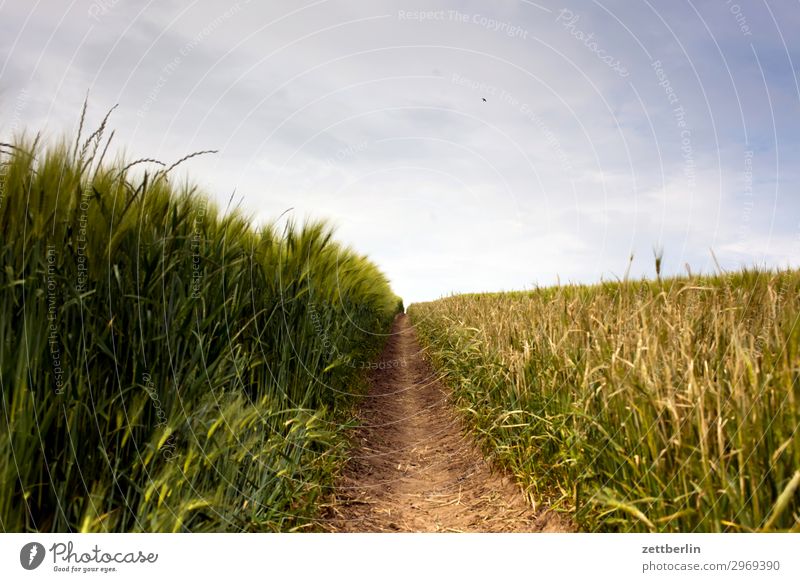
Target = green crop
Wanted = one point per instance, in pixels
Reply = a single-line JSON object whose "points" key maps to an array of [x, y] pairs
{"points": [[165, 366]]}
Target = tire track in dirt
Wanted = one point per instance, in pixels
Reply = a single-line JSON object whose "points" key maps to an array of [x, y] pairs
{"points": [[413, 469]]}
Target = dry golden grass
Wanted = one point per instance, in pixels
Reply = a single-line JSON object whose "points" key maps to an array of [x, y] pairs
{"points": [[638, 406]]}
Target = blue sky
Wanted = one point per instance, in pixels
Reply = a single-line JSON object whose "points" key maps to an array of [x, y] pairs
{"points": [[609, 128]]}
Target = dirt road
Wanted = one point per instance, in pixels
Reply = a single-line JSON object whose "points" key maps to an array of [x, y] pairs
{"points": [[412, 467]]}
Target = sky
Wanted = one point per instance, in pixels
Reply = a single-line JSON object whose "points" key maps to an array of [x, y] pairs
{"points": [[463, 146]]}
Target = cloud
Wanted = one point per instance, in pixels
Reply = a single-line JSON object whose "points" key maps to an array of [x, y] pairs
{"points": [[376, 120]]}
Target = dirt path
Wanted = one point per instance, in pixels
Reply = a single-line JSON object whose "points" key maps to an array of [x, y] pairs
{"points": [[412, 467]]}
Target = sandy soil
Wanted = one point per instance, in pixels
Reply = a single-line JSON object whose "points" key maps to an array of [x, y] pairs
{"points": [[412, 467]]}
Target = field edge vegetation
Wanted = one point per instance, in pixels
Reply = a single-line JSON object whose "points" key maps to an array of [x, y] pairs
{"points": [[668, 405], [165, 366]]}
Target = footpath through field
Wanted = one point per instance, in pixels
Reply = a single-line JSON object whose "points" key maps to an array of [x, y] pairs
{"points": [[413, 469]]}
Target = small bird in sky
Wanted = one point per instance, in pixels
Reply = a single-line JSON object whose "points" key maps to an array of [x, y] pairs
{"points": [[484, 99]]}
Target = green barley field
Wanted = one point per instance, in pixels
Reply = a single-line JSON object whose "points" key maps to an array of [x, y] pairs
{"points": [[636, 406], [164, 366]]}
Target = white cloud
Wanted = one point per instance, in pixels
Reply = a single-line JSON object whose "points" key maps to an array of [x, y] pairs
{"points": [[345, 111]]}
